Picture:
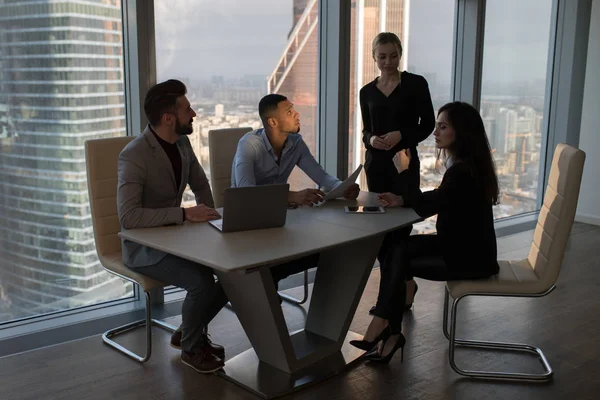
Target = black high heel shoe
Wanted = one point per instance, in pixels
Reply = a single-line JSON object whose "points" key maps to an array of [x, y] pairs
{"points": [[376, 357], [368, 346]]}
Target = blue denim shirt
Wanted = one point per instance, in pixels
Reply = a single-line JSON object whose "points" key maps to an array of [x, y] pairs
{"points": [[255, 162]]}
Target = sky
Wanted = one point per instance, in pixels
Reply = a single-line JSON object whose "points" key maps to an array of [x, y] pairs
{"points": [[516, 39], [196, 39], [430, 38]]}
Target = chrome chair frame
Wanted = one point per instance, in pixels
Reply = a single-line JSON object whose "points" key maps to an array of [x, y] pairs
{"points": [[292, 299], [147, 322], [453, 342]]}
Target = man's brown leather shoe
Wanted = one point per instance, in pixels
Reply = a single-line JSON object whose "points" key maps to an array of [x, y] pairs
{"points": [[176, 339], [202, 361], [214, 348]]}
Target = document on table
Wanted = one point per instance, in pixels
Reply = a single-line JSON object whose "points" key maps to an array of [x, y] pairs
{"points": [[339, 190]]}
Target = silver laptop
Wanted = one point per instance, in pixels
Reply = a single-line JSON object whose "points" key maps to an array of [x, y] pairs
{"points": [[253, 207]]}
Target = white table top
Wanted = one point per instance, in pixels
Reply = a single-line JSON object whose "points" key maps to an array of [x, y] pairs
{"points": [[307, 230]]}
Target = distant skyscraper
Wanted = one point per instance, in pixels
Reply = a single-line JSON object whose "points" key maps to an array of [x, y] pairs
{"points": [[369, 17], [490, 129], [219, 110], [196, 139], [538, 122], [296, 76], [524, 125], [506, 125], [61, 83]]}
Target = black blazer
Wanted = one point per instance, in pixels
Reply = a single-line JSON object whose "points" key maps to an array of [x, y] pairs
{"points": [[465, 222]]}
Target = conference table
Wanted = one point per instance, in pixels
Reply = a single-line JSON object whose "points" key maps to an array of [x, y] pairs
{"points": [[279, 361]]}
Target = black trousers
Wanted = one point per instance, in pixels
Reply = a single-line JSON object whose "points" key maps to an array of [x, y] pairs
{"points": [[205, 297], [382, 177], [418, 256]]}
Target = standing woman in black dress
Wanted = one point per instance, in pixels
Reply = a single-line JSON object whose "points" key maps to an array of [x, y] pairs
{"points": [[397, 114]]}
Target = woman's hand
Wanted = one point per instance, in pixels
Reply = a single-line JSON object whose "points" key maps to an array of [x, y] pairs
{"points": [[379, 143], [352, 192], [392, 138], [402, 160], [390, 200]]}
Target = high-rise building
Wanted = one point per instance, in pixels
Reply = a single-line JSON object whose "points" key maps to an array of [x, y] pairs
{"points": [[219, 110], [61, 83], [489, 124], [296, 77], [506, 125], [524, 125], [369, 17], [538, 122]]}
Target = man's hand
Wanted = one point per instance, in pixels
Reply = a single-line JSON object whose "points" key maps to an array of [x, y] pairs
{"points": [[390, 200], [306, 197], [392, 138], [402, 160], [379, 143], [201, 213], [352, 192]]}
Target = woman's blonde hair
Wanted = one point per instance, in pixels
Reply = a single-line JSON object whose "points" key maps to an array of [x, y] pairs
{"points": [[385, 38]]}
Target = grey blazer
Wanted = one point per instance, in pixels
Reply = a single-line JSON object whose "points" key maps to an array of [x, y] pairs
{"points": [[147, 195]]}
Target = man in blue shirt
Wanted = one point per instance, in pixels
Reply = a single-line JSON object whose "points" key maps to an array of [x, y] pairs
{"points": [[268, 156]]}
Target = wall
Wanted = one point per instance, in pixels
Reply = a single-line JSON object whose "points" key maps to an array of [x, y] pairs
{"points": [[588, 209]]}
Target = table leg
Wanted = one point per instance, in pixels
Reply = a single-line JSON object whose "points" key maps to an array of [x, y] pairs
{"points": [[280, 362]]}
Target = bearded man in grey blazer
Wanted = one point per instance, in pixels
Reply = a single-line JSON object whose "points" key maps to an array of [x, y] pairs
{"points": [[154, 170]]}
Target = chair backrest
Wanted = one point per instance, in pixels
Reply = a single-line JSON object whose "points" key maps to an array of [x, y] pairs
{"points": [[222, 145], [101, 158], [557, 214]]}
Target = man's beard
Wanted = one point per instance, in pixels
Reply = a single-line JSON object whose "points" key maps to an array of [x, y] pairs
{"points": [[181, 129]]}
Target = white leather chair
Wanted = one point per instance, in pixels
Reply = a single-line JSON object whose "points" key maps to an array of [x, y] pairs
{"points": [[222, 145], [533, 277], [101, 160]]}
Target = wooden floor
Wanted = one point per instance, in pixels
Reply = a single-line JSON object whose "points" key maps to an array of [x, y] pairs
{"points": [[565, 324]]}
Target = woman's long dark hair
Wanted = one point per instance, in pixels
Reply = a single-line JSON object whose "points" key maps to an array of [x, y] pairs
{"points": [[471, 146]]}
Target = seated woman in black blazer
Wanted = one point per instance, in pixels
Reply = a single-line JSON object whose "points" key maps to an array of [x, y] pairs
{"points": [[465, 244]]}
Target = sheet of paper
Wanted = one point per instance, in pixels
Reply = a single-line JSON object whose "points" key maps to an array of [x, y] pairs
{"points": [[339, 190]]}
